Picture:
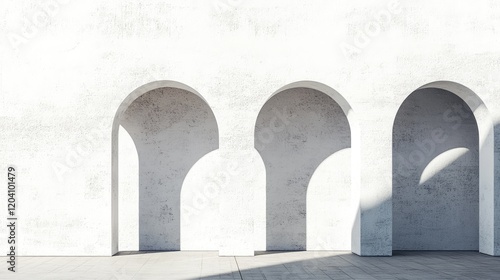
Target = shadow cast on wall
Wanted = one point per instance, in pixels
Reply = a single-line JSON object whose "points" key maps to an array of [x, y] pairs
{"points": [[435, 173], [296, 131], [496, 203], [172, 129]]}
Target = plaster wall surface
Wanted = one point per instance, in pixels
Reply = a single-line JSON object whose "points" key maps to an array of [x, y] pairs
{"points": [[66, 69], [128, 200]]}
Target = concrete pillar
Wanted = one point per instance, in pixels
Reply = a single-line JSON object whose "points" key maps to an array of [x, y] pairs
{"points": [[241, 165], [372, 230]]}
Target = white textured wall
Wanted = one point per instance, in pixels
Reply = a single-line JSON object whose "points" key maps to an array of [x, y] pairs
{"points": [[128, 168], [65, 68], [200, 201]]}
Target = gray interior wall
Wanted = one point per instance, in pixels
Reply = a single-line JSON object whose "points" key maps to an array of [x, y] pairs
{"points": [[496, 204], [297, 130], [435, 173], [172, 129]]}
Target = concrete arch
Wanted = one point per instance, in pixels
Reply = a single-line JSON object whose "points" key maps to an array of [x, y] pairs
{"points": [[346, 108], [297, 94], [486, 157], [335, 95], [181, 94]]}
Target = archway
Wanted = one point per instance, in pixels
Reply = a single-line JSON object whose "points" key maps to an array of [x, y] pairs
{"points": [[172, 128], [442, 155], [435, 173], [304, 138]]}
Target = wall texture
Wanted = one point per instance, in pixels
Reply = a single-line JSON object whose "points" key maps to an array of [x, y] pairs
{"points": [[435, 174], [69, 70], [297, 131], [172, 129]]}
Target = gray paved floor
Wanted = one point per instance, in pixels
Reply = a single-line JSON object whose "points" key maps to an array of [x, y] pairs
{"points": [[268, 265]]}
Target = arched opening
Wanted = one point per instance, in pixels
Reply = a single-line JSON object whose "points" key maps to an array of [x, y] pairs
{"points": [[304, 138], [441, 152], [174, 131]]}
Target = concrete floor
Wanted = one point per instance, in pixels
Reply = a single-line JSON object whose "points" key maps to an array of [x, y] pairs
{"points": [[266, 265]]}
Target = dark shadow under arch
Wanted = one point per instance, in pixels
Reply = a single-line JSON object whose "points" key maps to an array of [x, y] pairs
{"points": [[435, 173]]}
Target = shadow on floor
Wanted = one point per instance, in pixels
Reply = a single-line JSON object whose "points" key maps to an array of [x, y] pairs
{"points": [[281, 265]]}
